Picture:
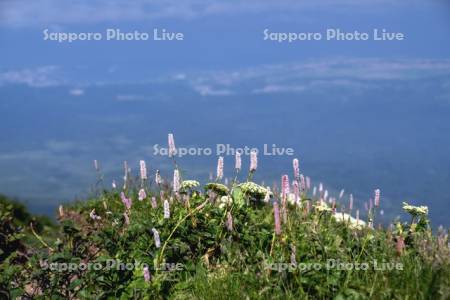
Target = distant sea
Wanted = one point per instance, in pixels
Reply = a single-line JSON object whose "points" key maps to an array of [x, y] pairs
{"points": [[392, 135]]}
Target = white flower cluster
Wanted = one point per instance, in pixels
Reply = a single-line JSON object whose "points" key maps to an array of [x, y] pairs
{"points": [[225, 201], [254, 190], [218, 188], [293, 199], [322, 207], [352, 222], [415, 210], [189, 184]]}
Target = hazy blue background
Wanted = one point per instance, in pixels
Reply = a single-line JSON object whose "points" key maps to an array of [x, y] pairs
{"points": [[359, 115]]}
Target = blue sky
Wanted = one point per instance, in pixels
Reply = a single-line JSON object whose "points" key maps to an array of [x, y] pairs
{"points": [[219, 36]]}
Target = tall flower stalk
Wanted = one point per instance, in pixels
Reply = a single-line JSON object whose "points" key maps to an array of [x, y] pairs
{"points": [[284, 196], [296, 167], [302, 184], [156, 238], [99, 174], [172, 149], [229, 221], [308, 183], [147, 275], [142, 195], [253, 164], [350, 204], [285, 185], [126, 201], [237, 166], [166, 209], [296, 191], [219, 168], [276, 217], [125, 176], [176, 181], [158, 179], [143, 171]]}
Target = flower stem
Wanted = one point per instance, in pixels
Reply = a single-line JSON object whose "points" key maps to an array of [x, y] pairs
{"points": [[178, 225]]}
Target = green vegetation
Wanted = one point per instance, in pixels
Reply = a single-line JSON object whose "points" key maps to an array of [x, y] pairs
{"points": [[222, 241], [203, 256]]}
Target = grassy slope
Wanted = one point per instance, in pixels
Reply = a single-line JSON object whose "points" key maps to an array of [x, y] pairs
{"points": [[218, 263]]}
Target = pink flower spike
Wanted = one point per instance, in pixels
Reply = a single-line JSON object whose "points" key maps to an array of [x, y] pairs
{"points": [[296, 191], [302, 183], [253, 161], [238, 159], [126, 200], [143, 169], [276, 215], [166, 209], [176, 180], [377, 197], [142, 195], [220, 168], [156, 238], [285, 185], [172, 148], [154, 203], [147, 276]]}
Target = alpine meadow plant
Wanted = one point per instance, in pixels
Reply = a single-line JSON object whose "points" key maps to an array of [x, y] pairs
{"points": [[188, 240], [158, 179], [253, 161], [219, 168], [166, 209], [302, 183], [176, 181], [276, 216], [142, 195], [238, 161], [143, 169], [171, 143], [285, 186], [296, 167]]}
